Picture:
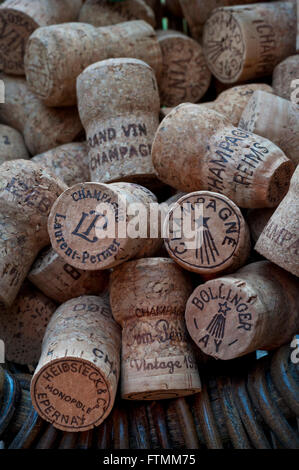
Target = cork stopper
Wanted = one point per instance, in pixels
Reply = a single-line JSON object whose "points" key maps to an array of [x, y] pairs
{"points": [[118, 102], [283, 76], [89, 228], [19, 18], [68, 162], [157, 357], [12, 145], [75, 382], [257, 219], [279, 240], [104, 12], [27, 193], [247, 41], [61, 282], [185, 75], [255, 308], [51, 71], [22, 327], [198, 149], [207, 234], [43, 128], [276, 119]]}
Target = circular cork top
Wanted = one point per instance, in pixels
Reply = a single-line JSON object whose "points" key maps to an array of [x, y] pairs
{"points": [[85, 226], [72, 393], [222, 318], [224, 45], [206, 231]]}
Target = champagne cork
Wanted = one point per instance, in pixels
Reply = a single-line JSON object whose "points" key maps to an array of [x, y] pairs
{"points": [[255, 308], [198, 149], [12, 145], [69, 162], [104, 12], [157, 357], [245, 42], [51, 70], [75, 382], [257, 219], [119, 105], [279, 240], [22, 327], [27, 193], [61, 282], [197, 12], [207, 234], [19, 18], [283, 76], [232, 102], [276, 119], [185, 75], [90, 229], [43, 128]]}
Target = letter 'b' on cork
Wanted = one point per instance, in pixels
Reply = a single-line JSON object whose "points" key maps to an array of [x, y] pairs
{"points": [[247, 41], [207, 234], [255, 308], [158, 360], [118, 102], [279, 241], [75, 382]]}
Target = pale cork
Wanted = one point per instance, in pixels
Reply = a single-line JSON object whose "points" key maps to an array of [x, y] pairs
{"points": [[279, 241], [51, 70], [69, 162], [27, 193], [257, 220], [61, 282], [43, 128], [118, 102], [247, 41], [19, 18], [276, 119], [157, 357], [89, 228], [103, 12], [185, 75], [198, 149], [255, 308], [197, 12], [218, 240], [75, 382], [284, 79], [232, 102], [22, 326], [12, 145]]}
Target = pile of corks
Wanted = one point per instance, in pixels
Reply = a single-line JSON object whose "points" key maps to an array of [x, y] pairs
{"points": [[100, 107]]}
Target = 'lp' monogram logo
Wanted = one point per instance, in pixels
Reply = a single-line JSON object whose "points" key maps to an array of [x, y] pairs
{"points": [[83, 223]]}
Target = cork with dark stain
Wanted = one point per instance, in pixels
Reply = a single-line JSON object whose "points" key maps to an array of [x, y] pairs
{"points": [[247, 41], [118, 102], [51, 71], [279, 241], [61, 282], [255, 308], [12, 145], [18, 20], [157, 358], [43, 128], [75, 382], [103, 12], [22, 326], [198, 149], [27, 193]]}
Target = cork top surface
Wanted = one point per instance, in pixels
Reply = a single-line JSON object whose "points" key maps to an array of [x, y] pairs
{"points": [[216, 231]]}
